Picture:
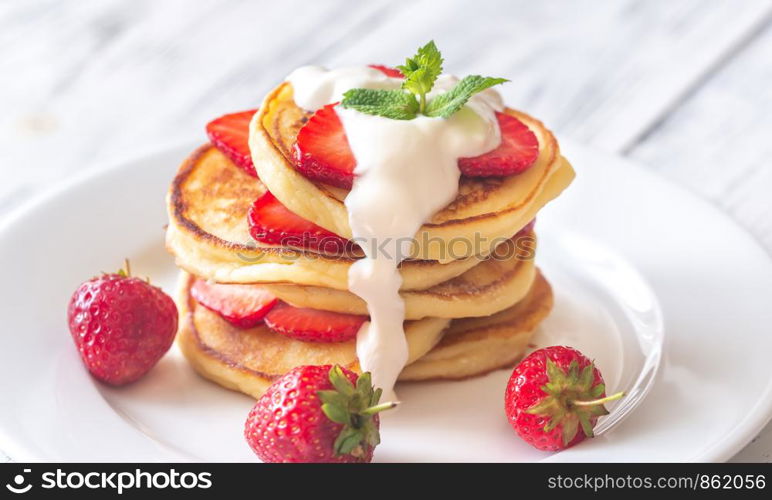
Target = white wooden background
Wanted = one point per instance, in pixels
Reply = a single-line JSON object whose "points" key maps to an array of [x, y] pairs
{"points": [[683, 86]]}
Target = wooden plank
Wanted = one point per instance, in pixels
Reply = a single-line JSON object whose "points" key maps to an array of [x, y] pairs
{"points": [[718, 142], [95, 80], [601, 75]]}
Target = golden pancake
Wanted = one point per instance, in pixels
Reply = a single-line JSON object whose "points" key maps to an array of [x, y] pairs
{"points": [[484, 211], [496, 283], [209, 235], [476, 346], [250, 360]]}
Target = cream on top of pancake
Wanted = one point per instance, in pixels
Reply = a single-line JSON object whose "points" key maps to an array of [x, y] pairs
{"points": [[316, 86], [406, 171]]}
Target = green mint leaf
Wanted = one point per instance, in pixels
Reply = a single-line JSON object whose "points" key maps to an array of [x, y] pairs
{"points": [[394, 104], [444, 105], [421, 71], [427, 57]]}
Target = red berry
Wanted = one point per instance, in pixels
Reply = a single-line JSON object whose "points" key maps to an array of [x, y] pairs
{"points": [[517, 152], [313, 325], [121, 326], [554, 398], [241, 305], [388, 70], [316, 414], [273, 223], [322, 152], [230, 134]]}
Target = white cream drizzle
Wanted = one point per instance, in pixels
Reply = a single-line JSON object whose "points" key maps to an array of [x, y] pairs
{"points": [[407, 170]]}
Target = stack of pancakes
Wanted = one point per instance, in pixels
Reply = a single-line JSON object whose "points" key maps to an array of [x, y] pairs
{"points": [[472, 293]]}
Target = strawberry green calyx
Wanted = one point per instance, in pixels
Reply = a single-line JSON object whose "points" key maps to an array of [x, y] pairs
{"points": [[572, 400], [353, 406], [125, 271]]}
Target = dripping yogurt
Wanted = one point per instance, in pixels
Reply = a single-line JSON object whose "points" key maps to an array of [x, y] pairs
{"points": [[406, 171]]}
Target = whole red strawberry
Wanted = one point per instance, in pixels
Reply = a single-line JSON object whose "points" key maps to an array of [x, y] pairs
{"points": [[121, 326], [554, 398], [316, 414]]}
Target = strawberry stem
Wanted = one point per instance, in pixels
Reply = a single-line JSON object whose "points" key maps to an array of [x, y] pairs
{"points": [[601, 401], [127, 267], [379, 408], [353, 406]]}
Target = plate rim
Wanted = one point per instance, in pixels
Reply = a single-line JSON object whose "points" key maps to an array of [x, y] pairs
{"points": [[728, 446]]}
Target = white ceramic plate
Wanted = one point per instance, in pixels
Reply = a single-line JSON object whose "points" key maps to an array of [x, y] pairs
{"points": [[627, 252]]}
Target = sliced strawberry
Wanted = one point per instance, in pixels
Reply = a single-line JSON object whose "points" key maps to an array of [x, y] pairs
{"points": [[322, 152], [313, 325], [273, 223], [230, 134], [388, 71], [241, 305], [517, 152]]}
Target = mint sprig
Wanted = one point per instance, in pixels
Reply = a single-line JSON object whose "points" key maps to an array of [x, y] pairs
{"points": [[421, 72], [454, 99], [394, 104]]}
